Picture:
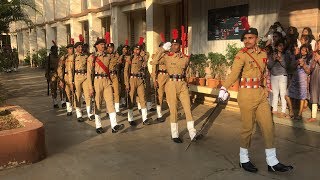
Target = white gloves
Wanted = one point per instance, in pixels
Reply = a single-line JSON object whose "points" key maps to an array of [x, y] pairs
{"points": [[223, 94], [166, 46]]}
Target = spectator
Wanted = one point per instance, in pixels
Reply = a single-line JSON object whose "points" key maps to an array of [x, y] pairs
{"points": [[292, 36], [315, 83], [278, 68], [299, 86], [308, 32], [275, 37]]}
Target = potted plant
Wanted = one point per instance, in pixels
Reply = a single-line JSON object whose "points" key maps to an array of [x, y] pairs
{"points": [[232, 51], [197, 68], [201, 73], [217, 63]]}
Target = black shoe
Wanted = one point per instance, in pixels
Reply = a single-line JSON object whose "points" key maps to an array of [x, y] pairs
{"points": [[177, 140], [63, 105], [69, 113], [120, 114], [132, 123], [152, 109], [100, 130], [161, 119], [117, 128], [107, 115], [91, 118], [280, 168], [248, 166], [80, 119], [84, 102], [147, 122], [56, 106]]}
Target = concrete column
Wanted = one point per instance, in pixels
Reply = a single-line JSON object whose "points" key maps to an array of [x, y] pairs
{"points": [[154, 26], [94, 30], [26, 45], [49, 36], [20, 46], [62, 34], [13, 40], [41, 38], [33, 43], [119, 26]]}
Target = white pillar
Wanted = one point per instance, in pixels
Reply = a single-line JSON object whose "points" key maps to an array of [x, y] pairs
{"points": [[13, 40], [20, 46], [25, 44], [94, 30], [62, 34], [33, 41], [119, 26]]}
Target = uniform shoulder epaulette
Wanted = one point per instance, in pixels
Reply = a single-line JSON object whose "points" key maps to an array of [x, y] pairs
{"points": [[263, 50], [170, 53]]}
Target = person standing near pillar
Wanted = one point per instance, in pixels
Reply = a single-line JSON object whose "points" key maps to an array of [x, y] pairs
{"points": [[101, 86], [66, 76], [160, 77], [133, 76], [122, 61], [250, 66], [80, 80], [147, 78], [176, 64], [114, 68], [51, 73]]}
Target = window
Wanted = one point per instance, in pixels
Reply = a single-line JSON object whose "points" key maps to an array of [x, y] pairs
{"points": [[105, 25], [85, 31], [68, 33]]}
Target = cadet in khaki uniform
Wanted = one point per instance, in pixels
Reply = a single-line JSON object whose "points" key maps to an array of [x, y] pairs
{"points": [[98, 66], [122, 62], [114, 70], [51, 73], [66, 76], [160, 77], [250, 65], [133, 76], [80, 81], [176, 87]]}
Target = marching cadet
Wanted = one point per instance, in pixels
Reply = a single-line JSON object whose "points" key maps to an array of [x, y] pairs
{"points": [[133, 76], [66, 76], [114, 70], [51, 73], [81, 81], [250, 66], [101, 86], [176, 87], [122, 61], [145, 55], [160, 77]]}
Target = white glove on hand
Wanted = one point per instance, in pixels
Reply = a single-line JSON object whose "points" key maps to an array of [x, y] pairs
{"points": [[223, 94], [166, 46]]}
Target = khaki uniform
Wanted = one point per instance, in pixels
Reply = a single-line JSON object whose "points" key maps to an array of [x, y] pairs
{"points": [[133, 76], [176, 88], [65, 75], [113, 67], [253, 102], [161, 76], [52, 75], [81, 83], [102, 86]]}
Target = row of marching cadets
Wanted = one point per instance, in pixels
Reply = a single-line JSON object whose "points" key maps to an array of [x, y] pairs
{"points": [[122, 79]]}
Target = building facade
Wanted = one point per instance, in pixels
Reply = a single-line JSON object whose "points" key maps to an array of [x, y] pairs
{"points": [[61, 20]]}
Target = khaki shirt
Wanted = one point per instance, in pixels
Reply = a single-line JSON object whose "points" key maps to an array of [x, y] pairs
{"points": [[65, 68], [113, 61], [96, 67], [245, 67], [161, 66], [132, 66], [175, 63], [81, 62]]}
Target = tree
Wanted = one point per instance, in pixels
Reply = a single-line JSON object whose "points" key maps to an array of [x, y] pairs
{"points": [[14, 10]]}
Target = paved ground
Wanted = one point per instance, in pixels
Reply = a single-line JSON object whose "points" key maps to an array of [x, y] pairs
{"points": [[75, 151]]}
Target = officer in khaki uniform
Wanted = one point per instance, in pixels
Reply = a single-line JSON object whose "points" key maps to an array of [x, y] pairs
{"points": [[98, 67], [176, 64], [51, 73], [80, 81], [133, 76], [250, 65], [122, 61], [66, 77], [114, 70], [160, 77]]}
